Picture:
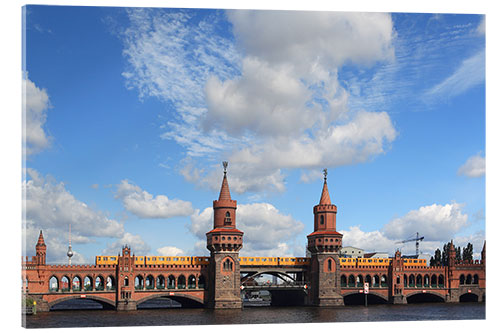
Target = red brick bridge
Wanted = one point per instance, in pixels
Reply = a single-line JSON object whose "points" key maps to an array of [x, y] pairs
{"points": [[218, 281]]}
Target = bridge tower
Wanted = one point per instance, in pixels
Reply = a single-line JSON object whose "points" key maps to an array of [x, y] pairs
{"points": [[396, 274], [125, 281], [324, 243], [224, 242]]}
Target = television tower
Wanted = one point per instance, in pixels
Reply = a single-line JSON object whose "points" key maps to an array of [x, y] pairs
{"points": [[70, 251]]}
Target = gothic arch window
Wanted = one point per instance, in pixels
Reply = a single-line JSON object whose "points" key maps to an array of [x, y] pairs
{"points": [[343, 281], [321, 220], [227, 265], [330, 265], [352, 281], [76, 284], [227, 219], [476, 279], [462, 279]]}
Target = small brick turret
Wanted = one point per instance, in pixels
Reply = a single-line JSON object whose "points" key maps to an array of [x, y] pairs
{"points": [[41, 250]]}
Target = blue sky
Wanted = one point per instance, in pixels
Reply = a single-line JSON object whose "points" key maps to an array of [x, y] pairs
{"points": [[129, 113]]}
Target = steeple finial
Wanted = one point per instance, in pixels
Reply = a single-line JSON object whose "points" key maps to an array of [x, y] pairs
{"points": [[325, 196], [224, 191]]}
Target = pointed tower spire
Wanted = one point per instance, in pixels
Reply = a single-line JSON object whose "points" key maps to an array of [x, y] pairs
{"points": [[41, 250], [224, 190], [325, 196], [41, 241]]}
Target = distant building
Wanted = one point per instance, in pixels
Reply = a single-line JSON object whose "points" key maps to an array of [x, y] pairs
{"points": [[377, 255], [352, 252]]}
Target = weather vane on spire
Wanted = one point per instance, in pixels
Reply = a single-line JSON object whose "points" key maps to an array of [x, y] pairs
{"points": [[224, 164], [325, 172]]}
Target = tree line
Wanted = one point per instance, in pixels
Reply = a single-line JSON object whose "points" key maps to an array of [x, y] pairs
{"points": [[442, 258]]}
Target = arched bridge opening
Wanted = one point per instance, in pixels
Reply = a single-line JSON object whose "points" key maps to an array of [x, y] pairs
{"points": [[359, 299], [469, 297], [424, 298], [78, 303], [169, 302], [288, 297], [273, 288]]}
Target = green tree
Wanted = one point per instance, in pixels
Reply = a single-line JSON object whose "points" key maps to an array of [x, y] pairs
{"points": [[437, 257], [468, 252], [459, 254]]}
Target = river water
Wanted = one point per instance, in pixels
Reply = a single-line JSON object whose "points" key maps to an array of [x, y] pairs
{"points": [[256, 315]]}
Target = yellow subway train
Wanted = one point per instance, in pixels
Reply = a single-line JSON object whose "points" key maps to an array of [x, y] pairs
{"points": [[357, 262], [257, 261]]}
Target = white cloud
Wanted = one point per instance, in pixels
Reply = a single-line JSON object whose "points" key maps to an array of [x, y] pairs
{"points": [[267, 230], [135, 242], [369, 241], [170, 251], [439, 224], [266, 109], [470, 73], [312, 39], [144, 205], [49, 205], [481, 28], [35, 105], [475, 166], [434, 222]]}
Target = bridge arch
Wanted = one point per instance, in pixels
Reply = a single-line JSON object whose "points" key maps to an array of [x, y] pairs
{"points": [[356, 298], [352, 281], [53, 283], [429, 296], [181, 282], [87, 283], [110, 282], [270, 272], [160, 282], [106, 303], [472, 296], [99, 282], [184, 299], [201, 282], [76, 283]]}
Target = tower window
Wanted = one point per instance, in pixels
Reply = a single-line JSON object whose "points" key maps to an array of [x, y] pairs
{"points": [[227, 219], [321, 219]]}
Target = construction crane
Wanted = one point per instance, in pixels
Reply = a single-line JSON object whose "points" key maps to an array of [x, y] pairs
{"points": [[414, 239]]}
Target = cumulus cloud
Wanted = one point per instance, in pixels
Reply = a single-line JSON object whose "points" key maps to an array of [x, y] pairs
{"points": [[135, 242], [145, 205], [49, 206], [35, 105], [436, 222], [474, 167], [265, 98], [170, 251], [267, 230]]}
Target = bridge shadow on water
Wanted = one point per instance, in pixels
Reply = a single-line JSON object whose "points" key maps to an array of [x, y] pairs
{"points": [[81, 304]]}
